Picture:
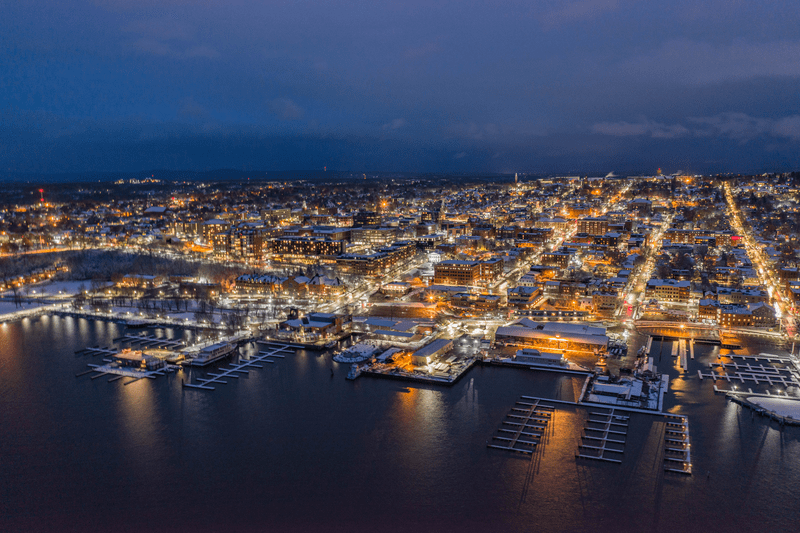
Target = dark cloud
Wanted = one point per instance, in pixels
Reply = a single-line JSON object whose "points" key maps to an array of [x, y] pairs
{"points": [[538, 86], [735, 126]]}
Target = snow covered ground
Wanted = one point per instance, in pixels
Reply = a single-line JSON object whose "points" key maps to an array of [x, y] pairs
{"points": [[779, 406], [9, 307], [56, 288]]}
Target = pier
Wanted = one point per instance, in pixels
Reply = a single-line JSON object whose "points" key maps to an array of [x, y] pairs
{"points": [[529, 422], [121, 372], [746, 371], [759, 357], [151, 341], [763, 378], [677, 447], [242, 367], [682, 355], [604, 433], [97, 351]]}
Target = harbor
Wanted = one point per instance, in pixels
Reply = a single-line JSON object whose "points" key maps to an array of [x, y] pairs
{"points": [[390, 426], [528, 421], [604, 436], [245, 364]]}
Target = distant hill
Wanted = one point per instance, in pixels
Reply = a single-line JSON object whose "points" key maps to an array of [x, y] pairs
{"points": [[235, 175]]}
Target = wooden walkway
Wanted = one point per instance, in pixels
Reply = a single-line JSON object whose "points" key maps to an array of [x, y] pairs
{"points": [[242, 367], [528, 421]]}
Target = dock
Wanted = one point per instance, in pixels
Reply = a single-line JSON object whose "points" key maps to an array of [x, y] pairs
{"points": [[98, 351], [529, 421], [760, 357], [748, 372], [682, 355], [122, 372], [604, 433], [677, 446], [151, 341], [242, 367]]}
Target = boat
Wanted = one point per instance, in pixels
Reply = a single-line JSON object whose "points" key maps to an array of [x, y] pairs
{"points": [[212, 353], [135, 324], [356, 353]]}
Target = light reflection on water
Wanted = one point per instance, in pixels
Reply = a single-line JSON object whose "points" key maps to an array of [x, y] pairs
{"points": [[288, 447]]}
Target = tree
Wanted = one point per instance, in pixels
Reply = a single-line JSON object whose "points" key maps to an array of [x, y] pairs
{"points": [[17, 298]]}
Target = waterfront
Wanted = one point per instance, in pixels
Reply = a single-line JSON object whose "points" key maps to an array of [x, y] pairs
{"points": [[291, 447]]}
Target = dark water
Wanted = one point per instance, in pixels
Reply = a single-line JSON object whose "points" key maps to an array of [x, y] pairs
{"points": [[290, 448]]}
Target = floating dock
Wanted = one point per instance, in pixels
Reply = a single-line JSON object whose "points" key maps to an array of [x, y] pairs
{"points": [[151, 341], [682, 355], [529, 421], [677, 447], [98, 351], [242, 367], [763, 368], [122, 372], [604, 433]]}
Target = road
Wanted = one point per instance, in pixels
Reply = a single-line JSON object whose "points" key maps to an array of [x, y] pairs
{"points": [[763, 265], [635, 290]]}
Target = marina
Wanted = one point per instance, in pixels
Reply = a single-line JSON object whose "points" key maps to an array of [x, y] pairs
{"points": [[137, 430], [242, 367], [677, 446], [529, 422], [604, 436], [747, 372], [151, 341]]}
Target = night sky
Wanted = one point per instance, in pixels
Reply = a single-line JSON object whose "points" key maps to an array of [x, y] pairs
{"points": [[471, 86]]}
